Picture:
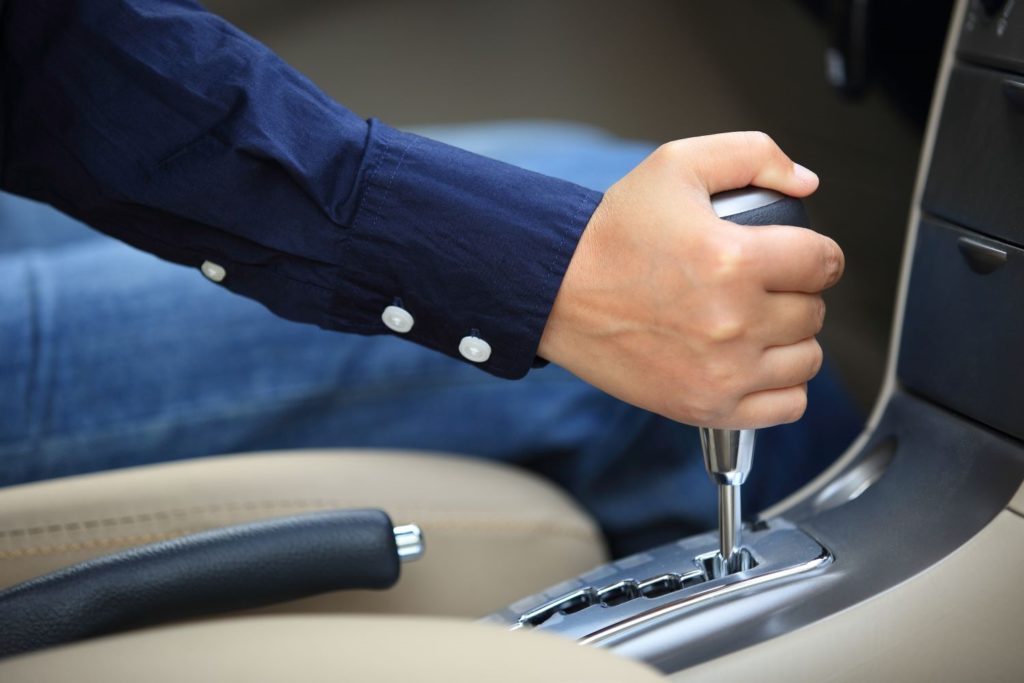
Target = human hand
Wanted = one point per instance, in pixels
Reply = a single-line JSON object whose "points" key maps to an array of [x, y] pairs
{"points": [[668, 307]]}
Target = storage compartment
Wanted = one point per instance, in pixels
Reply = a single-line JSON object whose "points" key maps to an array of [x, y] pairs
{"points": [[963, 330], [977, 176], [993, 33]]}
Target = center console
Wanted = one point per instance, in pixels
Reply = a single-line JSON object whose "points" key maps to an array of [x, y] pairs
{"points": [[942, 456]]}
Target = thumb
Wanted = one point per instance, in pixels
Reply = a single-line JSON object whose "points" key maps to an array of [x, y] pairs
{"points": [[730, 161]]}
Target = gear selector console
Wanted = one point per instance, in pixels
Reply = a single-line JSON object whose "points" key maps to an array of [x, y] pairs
{"points": [[619, 601], [623, 598]]}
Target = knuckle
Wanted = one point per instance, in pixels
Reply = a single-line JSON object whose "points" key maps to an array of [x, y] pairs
{"points": [[722, 376], [702, 409], [725, 327], [706, 376], [729, 259], [670, 151], [761, 140], [710, 406]]}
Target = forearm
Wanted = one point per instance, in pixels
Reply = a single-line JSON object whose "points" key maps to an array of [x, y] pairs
{"points": [[166, 127]]}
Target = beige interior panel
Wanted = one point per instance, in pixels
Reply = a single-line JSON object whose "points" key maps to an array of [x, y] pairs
{"points": [[1017, 504], [493, 533], [961, 620], [335, 648]]}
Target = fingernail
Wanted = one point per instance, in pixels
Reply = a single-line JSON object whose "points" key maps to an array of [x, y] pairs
{"points": [[804, 174]]}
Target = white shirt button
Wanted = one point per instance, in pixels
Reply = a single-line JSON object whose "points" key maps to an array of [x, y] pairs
{"points": [[397, 319], [474, 349], [212, 271]]}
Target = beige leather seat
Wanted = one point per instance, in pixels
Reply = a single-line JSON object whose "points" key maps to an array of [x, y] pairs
{"points": [[493, 533]]}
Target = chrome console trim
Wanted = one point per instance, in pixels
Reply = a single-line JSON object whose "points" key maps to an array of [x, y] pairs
{"points": [[934, 481], [708, 594], [668, 582]]}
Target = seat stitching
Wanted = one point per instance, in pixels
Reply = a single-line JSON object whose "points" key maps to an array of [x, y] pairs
{"points": [[212, 508], [446, 525], [92, 543], [159, 514]]}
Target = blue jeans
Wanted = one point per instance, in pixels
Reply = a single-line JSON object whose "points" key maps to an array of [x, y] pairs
{"points": [[113, 358]]}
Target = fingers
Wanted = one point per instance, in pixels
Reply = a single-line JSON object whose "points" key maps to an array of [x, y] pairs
{"points": [[769, 408], [729, 161], [788, 318], [793, 259], [778, 393], [787, 366]]}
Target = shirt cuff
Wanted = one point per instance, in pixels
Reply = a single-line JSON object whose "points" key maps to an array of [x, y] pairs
{"points": [[468, 246]]}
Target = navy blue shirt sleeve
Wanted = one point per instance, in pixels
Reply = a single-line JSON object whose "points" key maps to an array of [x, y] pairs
{"points": [[164, 126]]}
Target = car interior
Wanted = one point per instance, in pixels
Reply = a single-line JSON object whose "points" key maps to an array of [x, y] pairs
{"points": [[898, 562]]}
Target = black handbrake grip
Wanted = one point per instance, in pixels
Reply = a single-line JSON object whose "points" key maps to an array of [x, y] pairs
{"points": [[219, 570]]}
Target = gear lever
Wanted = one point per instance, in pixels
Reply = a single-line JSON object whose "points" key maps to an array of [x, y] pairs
{"points": [[729, 453]]}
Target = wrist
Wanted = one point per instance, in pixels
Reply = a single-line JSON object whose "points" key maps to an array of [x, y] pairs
{"points": [[570, 308]]}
